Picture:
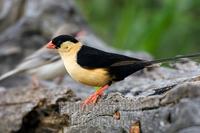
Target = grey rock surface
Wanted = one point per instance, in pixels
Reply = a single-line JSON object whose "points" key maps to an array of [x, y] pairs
{"points": [[161, 106], [176, 110]]}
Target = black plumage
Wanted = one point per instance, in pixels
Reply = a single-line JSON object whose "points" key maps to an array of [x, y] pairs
{"points": [[118, 66], [57, 41]]}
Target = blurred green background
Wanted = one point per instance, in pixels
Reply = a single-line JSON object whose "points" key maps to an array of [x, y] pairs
{"points": [[160, 27]]}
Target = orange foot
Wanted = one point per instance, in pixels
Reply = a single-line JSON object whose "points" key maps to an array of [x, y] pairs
{"points": [[92, 99]]}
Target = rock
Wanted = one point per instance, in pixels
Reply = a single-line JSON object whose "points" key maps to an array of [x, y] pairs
{"points": [[155, 113], [24, 108], [167, 104], [190, 130]]}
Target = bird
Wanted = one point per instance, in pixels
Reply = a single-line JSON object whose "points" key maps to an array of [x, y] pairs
{"points": [[94, 67], [44, 63]]}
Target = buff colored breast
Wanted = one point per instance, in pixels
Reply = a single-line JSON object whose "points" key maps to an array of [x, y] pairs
{"points": [[92, 77]]}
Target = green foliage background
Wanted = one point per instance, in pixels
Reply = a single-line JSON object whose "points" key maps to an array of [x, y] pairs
{"points": [[161, 27]]}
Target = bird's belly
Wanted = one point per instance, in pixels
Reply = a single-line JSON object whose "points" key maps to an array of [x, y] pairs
{"points": [[91, 77], [95, 77]]}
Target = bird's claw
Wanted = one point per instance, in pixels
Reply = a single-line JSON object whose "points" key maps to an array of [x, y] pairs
{"points": [[91, 99]]}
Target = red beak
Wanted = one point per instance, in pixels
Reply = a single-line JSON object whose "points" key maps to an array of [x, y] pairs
{"points": [[51, 45]]}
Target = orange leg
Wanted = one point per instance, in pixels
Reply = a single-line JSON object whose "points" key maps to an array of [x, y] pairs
{"points": [[94, 97]]}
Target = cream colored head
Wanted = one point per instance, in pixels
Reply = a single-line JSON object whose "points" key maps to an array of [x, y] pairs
{"points": [[69, 47]]}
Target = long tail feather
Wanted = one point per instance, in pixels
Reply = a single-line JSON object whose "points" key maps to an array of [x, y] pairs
{"points": [[172, 58]]}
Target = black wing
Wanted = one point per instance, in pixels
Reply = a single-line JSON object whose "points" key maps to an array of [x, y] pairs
{"points": [[89, 57]]}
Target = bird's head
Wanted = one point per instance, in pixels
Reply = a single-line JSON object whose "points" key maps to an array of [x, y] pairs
{"points": [[62, 42]]}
